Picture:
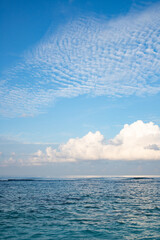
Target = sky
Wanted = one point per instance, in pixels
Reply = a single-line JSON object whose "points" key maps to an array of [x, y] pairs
{"points": [[79, 88]]}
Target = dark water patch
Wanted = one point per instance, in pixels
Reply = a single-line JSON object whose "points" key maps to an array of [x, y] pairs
{"points": [[140, 178], [21, 180]]}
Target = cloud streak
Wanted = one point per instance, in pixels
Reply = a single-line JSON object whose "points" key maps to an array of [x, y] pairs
{"points": [[87, 55]]}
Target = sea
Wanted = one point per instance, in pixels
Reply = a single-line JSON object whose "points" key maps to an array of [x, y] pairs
{"points": [[80, 208]]}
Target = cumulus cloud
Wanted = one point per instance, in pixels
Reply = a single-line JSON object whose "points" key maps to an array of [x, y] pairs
{"points": [[88, 55], [138, 141]]}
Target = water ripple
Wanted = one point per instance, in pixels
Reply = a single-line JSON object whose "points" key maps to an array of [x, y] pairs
{"points": [[107, 208]]}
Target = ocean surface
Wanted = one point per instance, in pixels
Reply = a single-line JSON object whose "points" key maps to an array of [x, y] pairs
{"points": [[95, 208]]}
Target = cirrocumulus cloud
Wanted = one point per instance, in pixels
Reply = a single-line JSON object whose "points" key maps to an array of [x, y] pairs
{"points": [[87, 55]]}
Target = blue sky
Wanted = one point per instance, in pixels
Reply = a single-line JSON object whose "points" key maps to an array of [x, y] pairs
{"points": [[72, 75]]}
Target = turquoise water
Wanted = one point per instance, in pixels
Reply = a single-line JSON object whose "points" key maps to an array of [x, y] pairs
{"points": [[100, 208]]}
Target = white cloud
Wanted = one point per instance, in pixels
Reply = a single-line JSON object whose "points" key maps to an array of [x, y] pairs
{"points": [[138, 141], [88, 55], [10, 159]]}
